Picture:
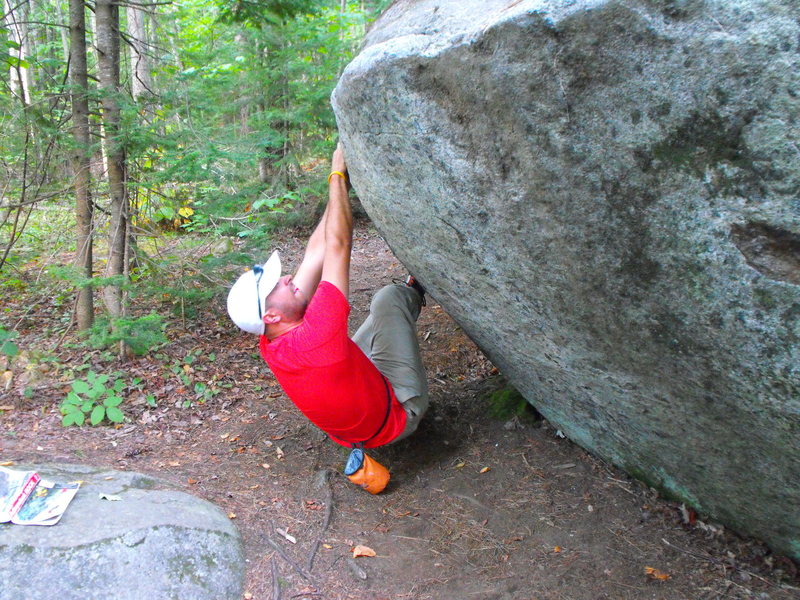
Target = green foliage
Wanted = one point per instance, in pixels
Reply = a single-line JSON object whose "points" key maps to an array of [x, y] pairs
{"points": [[184, 284], [507, 403], [7, 347], [258, 14], [233, 143], [95, 397], [182, 370], [140, 334]]}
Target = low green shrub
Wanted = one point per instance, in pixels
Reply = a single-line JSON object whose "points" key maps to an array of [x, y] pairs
{"points": [[140, 334], [95, 398]]}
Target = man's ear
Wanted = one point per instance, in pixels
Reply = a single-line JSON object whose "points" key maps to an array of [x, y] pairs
{"points": [[271, 317]]}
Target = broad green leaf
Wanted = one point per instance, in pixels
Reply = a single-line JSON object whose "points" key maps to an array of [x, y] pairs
{"points": [[69, 408], [73, 398], [112, 401], [87, 406], [9, 349], [15, 61], [119, 385], [114, 414], [73, 418], [98, 414], [80, 386]]}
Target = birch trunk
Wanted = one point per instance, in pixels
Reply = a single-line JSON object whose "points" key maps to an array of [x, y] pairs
{"points": [[16, 17], [141, 80]]}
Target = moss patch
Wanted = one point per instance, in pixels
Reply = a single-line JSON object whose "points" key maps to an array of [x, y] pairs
{"points": [[507, 403]]}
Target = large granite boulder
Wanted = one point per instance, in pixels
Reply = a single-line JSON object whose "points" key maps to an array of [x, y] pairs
{"points": [[604, 194], [147, 541]]}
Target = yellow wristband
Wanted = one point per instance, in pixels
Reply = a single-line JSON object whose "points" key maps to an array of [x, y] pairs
{"points": [[339, 173]]}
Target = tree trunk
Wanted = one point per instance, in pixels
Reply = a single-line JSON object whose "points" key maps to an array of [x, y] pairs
{"points": [[66, 33], [81, 158], [100, 161], [16, 20], [141, 80], [107, 36]]}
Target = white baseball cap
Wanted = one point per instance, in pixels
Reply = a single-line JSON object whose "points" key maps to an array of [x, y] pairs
{"points": [[246, 298]]}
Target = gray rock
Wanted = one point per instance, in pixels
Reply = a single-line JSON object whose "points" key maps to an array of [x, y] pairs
{"points": [[604, 195], [151, 544]]}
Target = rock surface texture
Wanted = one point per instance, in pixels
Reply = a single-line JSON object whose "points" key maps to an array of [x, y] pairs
{"points": [[150, 543], [604, 194]]}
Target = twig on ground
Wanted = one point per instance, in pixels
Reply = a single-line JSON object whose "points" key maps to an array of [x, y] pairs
{"points": [[276, 584], [622, 537], [719, 562], [298, 569], [325, 476], [621, 485]]}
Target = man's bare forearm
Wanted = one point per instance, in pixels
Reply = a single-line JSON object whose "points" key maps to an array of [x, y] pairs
{"points": [[338, 227], [310, 270], [339, 222]]}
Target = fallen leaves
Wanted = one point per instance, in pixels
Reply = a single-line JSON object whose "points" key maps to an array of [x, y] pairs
{"points": [[655, 574], [363, 551]]}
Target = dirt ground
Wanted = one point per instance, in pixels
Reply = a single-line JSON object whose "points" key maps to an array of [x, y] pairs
{"points": [[476, 508]]}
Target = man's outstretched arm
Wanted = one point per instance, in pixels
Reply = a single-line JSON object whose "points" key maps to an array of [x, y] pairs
{"points": [[338, 228], [310, 270]]}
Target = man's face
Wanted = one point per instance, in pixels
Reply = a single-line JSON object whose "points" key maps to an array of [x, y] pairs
{"points": [[288, 299]]}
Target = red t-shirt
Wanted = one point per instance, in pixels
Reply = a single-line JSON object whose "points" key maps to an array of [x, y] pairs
{"points": [[329, 378]]}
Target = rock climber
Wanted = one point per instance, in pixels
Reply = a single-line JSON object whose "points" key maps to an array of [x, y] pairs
{"points": [[366, 391]]}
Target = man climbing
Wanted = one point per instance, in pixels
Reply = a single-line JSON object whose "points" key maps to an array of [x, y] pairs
{"points": [[371, 390]]}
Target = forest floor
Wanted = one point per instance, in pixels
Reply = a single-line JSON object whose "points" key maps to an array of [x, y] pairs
{"points": [[476, 508]]}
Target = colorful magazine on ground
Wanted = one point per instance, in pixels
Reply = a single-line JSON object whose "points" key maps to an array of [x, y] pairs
{"points": [[27, 499]]}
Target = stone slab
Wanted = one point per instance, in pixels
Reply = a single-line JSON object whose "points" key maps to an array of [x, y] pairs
{"points": [[154, 543]]}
